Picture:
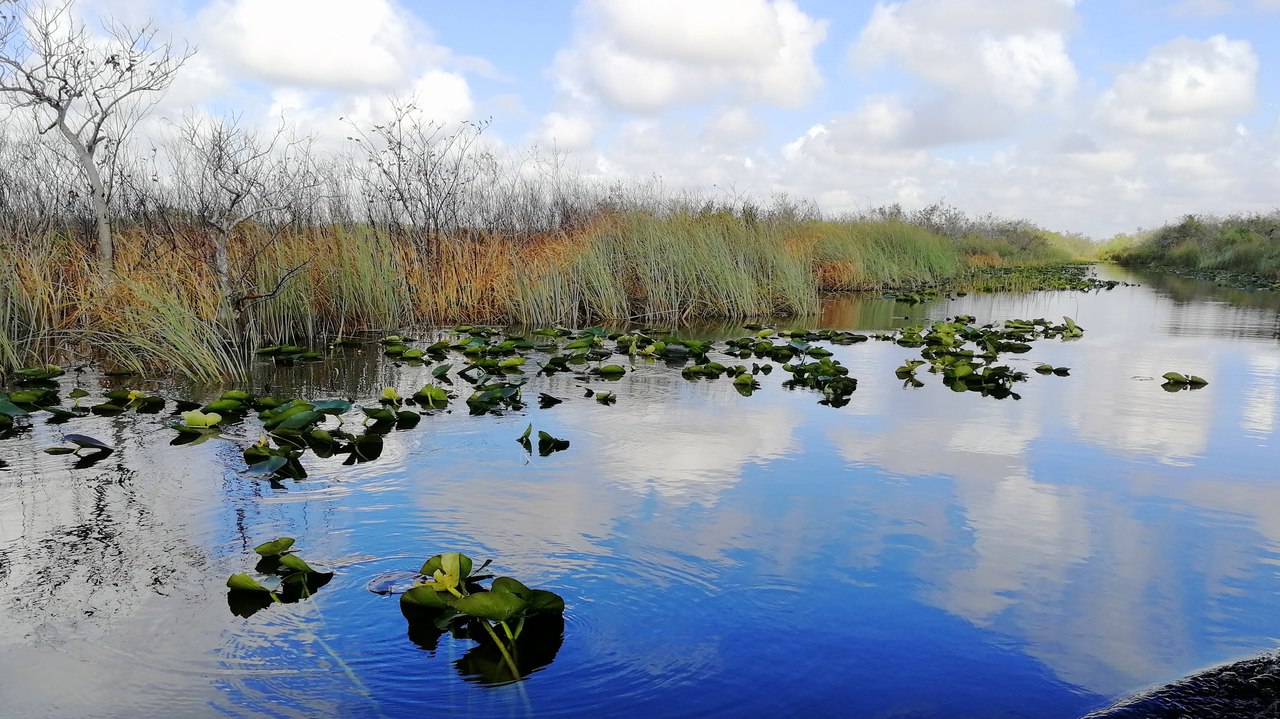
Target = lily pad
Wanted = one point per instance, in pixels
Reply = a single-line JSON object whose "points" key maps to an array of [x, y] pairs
{"points": [[275, 547]]}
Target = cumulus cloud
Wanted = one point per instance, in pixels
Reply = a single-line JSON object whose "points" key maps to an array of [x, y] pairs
{"points": [[980, 65], [649, 56], [566, 132], [1185, 90], [321, 43]]}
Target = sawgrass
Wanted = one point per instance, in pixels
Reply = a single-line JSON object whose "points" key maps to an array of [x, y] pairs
{"points": [[313, 284]]}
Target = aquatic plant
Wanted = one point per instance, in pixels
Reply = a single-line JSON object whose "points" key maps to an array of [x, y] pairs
{"points": [[283, 577], [448, 596]]}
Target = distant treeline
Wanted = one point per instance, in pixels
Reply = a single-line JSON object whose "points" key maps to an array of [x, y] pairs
{"points": [[1243, 243]]}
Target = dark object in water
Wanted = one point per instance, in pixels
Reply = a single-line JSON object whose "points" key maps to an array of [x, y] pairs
{"points": [[1244, 690]]}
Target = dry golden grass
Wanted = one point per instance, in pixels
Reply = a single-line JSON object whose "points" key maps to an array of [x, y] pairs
{"points": [[163, 307]]}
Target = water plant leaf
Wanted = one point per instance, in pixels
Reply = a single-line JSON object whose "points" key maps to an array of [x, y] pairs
{"points": [[275, 547], [437, 563], [196, 418], [9, 409], [493, 606], [542, 601], [611, 371], [391, 396], [511, 586], [87, 442], [432, 396], [425, 596], [244, 583], [224, 405], [295, 563], [268, 466], [59, 450], [524, 436], [379, 414], [300, 420], [547, 444], [332, 406], [1175, 378], [1195, 381]]}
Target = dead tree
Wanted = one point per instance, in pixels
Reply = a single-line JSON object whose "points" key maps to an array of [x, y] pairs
{"points": [[92, 89], [232, 175]]}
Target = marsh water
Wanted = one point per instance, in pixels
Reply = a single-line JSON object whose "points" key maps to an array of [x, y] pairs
{"points": [[916, 553]]}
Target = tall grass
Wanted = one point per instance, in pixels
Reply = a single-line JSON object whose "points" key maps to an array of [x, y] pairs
{"points": [[313, 283], [1247, 243]]}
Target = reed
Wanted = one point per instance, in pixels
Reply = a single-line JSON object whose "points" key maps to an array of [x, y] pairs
{"points": [[313, 283]]}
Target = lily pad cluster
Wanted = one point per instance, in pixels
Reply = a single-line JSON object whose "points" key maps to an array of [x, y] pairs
{"points": [[965, 354], [508, 618], [1037, 278], [36, 391], [294, 427], [1176, 382], [283, 577]]}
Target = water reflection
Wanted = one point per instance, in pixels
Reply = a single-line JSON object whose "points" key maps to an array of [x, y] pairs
{"points": [[1031, 558]]}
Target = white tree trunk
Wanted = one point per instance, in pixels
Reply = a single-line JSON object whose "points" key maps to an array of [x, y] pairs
{"points": [[98, 191]]}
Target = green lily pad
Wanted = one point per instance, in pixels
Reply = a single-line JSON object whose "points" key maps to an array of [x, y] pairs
{"points": [[493, 606], [275, 547], [244, 583], [425, 596]]}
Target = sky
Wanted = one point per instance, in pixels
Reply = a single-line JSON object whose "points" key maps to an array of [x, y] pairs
{"points": [[1088, 116]]}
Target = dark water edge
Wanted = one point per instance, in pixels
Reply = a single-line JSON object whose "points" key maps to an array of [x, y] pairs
{"points": [[719, 554], [1248, 689]]}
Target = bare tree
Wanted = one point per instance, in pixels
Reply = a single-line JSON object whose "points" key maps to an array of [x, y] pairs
{"points": [[92, 89], [234, 175], [421, 171]]}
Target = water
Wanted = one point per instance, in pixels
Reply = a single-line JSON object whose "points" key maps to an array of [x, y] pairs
{"points": [[918, 553]]}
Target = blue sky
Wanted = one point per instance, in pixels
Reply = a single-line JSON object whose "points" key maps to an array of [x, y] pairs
{"points": [[1094, 116]]}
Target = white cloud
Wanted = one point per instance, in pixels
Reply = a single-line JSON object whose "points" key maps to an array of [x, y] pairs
{"points": [[1184, 90], [321, 43], [649, 56], [566, 132], [981, 65]]}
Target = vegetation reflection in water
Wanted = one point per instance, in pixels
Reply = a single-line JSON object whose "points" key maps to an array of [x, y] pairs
{"points": [[566, 420]]}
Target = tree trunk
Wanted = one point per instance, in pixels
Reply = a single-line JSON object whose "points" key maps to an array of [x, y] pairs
{"points": [[98, 191], [222, 267]]}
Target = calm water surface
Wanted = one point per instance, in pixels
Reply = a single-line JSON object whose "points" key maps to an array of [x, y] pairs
{"points": [[918, 553]]}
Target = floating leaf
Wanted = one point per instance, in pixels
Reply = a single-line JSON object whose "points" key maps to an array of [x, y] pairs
{"points": [[196, 418], [425, 596], [245, 583], [268, 466], [542, 601], [545, 400], [493, 606], [87, 442], [275, 547], [511, 586], [548, 444], [59, 450], [295, 563], [9, 409]]}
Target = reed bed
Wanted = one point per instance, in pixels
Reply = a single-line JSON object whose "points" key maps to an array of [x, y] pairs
{"points": [[163, 308]]}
